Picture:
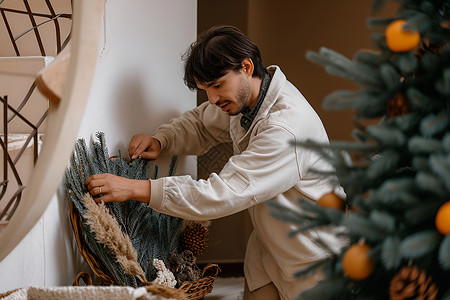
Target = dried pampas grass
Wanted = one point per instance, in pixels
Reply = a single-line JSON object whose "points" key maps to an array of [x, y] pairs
{"points": [[165, 291], [107, 231]]}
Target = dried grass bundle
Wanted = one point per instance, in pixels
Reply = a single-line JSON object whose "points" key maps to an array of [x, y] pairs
{"points": [[106, 231]]}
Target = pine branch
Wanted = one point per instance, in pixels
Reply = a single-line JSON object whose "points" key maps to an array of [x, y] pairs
{"points": [[139, 223], [173, 165], [432, 124], [421, 214], [361, 227], [406, 63], [384, 164], [441, 166], [444, 253], [423, 145], [430, 184], [390, 77], [156, 172], [339, 65], [387, 136], [419, 244], [390, 252]]}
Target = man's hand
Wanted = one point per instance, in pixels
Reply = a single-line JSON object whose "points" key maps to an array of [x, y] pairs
{"points": [[114, 188], [144, 146]]}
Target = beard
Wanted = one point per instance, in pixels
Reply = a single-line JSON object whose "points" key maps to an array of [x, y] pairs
{"points": [[242, 97]]}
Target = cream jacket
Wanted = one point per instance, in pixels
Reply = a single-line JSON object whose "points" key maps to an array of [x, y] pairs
{"points": [[265, 166]]}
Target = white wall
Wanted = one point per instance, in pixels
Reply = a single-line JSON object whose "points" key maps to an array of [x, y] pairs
{"points": [[137, 86], [138, 83]]}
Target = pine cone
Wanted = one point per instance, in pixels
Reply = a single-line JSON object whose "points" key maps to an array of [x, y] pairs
{"points": [[188, 257], [398, 106], [195, 238], [183, 270], [412, 283]]}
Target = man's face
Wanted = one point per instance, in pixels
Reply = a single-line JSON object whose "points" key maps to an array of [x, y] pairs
{"points": [[230, 92]]}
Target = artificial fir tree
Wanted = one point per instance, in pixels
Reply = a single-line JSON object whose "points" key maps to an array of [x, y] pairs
{"points": [[396, 174]]}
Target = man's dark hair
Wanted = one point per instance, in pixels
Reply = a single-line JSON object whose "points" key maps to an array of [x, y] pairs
{"points": [[217, 51]]}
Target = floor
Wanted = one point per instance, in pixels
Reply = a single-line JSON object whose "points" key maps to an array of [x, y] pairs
{"points": [[227, 288]]}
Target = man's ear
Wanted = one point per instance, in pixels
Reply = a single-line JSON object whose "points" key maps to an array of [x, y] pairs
{"points": [[248, 67]]}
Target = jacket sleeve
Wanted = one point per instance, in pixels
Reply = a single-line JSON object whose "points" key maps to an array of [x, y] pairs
{"points": [[263, 171], [195, 132]]}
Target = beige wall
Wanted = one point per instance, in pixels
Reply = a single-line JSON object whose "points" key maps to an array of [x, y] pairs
{"points": [[284, 30], [228, 236]]}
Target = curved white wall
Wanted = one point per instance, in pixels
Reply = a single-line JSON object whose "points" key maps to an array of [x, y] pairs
{"points": [[137, 86]]}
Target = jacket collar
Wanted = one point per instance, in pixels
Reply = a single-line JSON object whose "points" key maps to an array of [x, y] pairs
{"points": [[277, 83], [248, 115]]}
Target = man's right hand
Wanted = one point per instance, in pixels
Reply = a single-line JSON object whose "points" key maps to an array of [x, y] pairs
{"points": [[144, 146]]}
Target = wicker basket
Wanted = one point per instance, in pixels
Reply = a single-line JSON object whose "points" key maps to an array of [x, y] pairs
{"points": [[191, 290], [199, 288]]}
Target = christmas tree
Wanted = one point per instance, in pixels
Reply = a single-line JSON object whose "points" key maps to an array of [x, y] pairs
{"points": [[396, 173]]}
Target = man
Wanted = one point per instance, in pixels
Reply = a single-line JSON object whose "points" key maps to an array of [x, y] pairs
{"points": [[261, 113]]}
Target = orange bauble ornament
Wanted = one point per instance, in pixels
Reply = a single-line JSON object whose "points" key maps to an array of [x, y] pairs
{"points": [[356, 262], [331, 200], [442, 219], [400, 40]]}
